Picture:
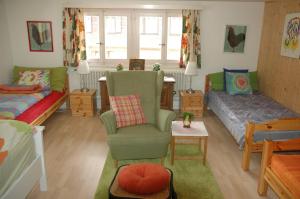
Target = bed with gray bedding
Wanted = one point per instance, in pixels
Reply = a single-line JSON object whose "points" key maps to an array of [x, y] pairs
{"points": [[235, 110]]}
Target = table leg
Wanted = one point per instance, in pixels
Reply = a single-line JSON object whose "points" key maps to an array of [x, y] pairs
{"points": [[172, 149], [205, 150], [200, 140]]}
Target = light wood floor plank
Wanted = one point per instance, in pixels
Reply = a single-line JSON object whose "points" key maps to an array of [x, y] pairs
{"points": [[75, 151]]}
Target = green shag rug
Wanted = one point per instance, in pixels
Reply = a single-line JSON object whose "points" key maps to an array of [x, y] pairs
{"points": [[192, 180]]}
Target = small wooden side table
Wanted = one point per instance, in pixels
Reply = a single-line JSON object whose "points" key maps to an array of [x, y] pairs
{"points": [[197, 132], [83, 103]]}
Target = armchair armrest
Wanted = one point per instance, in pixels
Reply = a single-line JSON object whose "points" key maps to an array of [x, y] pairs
{"points": [[165, 118], [109, 120]]}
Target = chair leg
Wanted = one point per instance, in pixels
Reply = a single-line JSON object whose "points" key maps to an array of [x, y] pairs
{"points": [[116, 163]]}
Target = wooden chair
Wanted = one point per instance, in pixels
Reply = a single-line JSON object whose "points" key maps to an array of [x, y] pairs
{"points": [[269, 174], [136, 64]]}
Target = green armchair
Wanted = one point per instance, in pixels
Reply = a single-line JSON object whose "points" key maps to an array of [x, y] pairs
{"points": [[145, 141]]}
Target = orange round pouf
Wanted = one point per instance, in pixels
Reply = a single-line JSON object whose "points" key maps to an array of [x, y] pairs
{"points": [[143, 178]]}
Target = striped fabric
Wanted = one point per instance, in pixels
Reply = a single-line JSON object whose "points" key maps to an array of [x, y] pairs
{"points": [[128, 110]]}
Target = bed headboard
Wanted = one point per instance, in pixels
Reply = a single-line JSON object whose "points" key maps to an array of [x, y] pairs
{"points": [[207, 85]]}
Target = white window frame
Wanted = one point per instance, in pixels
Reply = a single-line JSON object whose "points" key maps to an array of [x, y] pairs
{"points": [[132, 34]]}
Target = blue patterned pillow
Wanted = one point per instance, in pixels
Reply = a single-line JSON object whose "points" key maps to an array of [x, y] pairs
{"points": [[238, 83], [225, 70]]}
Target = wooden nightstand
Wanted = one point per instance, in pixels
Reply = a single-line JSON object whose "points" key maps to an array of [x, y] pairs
{"points": [[83, 103], [192, 102]]}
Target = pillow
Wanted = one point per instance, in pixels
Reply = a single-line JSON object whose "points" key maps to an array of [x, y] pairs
{"points": [[41, 77], [57, 75], [20, 89], [143, 178], [225, 70], [253, 80], [217, 81], [128, 110], [238, 83]]}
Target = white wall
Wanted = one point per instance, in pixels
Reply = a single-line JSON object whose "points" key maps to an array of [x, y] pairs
{"points": [[214, 17], [18, 12], [5, 50]]}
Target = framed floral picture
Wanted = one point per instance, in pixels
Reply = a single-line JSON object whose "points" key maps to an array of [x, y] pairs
{"points": [[290, 46], [40, 36]]}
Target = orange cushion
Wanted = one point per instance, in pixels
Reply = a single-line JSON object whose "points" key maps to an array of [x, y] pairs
{"points": [[144, 178], [287, 168]]}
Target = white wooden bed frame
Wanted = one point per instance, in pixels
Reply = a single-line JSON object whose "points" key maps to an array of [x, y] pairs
{"points": [[34, 172]]}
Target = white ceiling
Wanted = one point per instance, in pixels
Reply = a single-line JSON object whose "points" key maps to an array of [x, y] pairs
{"points": [[210, 0]]}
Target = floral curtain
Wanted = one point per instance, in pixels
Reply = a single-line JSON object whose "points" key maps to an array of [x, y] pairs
{"points": [[190, 41], [73, 36]]}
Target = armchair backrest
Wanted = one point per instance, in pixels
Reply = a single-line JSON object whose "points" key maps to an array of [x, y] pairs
{"points": [[146, 84]]}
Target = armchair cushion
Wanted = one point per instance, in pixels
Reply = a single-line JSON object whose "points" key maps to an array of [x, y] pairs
{"points": [[134, 142], [128, 110]]}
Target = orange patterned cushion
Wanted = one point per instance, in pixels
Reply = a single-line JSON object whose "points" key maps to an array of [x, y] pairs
{"points": [[287, 168], [128, 110]]}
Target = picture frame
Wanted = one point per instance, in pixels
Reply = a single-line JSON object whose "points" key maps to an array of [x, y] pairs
{"points": [[40, 36], [290, 44], [235, 38], [137, 64]]}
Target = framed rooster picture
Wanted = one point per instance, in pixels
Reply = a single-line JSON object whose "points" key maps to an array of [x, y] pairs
{"points": [[40, 36], [235, 37]]}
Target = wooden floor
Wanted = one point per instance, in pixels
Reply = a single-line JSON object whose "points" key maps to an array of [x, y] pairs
{"points": [[75, 151]]}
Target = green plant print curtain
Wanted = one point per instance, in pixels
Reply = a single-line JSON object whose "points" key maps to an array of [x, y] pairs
{"points": [[190, 41], [73, 37]]}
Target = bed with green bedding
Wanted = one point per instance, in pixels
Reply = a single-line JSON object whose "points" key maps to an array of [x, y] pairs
{"points": [[19, 142]]}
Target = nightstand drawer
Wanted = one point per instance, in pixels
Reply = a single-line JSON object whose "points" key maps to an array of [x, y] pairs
{"points": [[75, 100], [194, 101]]}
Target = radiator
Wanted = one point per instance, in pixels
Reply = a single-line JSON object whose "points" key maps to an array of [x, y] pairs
{"points": [[182, 83]]}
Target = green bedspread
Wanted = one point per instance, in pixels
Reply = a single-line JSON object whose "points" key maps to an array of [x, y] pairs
{"points": [[18, 141]]}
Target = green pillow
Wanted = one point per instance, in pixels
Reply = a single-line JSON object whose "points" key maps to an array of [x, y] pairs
{"points": [[253, 80], [238, 83], [57, 75], [217, 81]]}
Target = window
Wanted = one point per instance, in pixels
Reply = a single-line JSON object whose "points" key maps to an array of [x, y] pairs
{"points": [[150, 37], [124, 34], [115, 37], [91, 24], [174, 37]]}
